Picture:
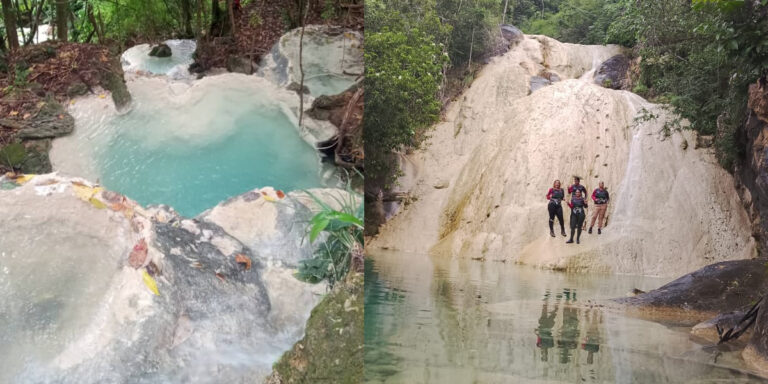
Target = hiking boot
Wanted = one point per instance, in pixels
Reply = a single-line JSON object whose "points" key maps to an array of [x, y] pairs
{"points": [[599, 231], [590, 230], [569, 241], [552, 233]]}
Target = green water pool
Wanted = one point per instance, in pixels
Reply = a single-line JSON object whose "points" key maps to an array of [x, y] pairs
{"points": [[435, 320], [191, 145]]}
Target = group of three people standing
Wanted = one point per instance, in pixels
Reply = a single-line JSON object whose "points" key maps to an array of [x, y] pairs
{"points": [[578, 205]]}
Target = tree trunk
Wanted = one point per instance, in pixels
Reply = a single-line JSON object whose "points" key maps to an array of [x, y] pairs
{"points": [[301, 64], [217, 27], [19, 18], [9, 16], [471, 45], [504, 15], [36, 23], [232, 24], [62, 17], [199, 18], [186, 16], [94, 23]]}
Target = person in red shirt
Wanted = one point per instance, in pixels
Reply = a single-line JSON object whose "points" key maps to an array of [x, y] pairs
{"points": [[601, 197], [578, 206], [555, 195]]}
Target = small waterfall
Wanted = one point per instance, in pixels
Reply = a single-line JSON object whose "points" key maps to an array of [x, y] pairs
{"points": [[136, 59], [332, 60]]}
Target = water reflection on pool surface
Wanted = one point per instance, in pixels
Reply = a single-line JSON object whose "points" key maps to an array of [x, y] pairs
{"points": [[435, 320]]}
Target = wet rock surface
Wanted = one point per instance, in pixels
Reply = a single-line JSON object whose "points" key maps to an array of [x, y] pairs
{"points": [[756, 352], [708, 330], [703, 294], [198, 291]]}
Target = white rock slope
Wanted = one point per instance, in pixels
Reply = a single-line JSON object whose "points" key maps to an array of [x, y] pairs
{"points": [[500, 149]]}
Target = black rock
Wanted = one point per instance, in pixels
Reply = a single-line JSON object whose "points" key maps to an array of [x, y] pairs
{"points": [[511, 33], [161, 50], [613, 73]]}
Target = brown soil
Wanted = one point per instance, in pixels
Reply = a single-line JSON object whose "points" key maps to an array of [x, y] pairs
{"points": [[259, 25], [45, 70]]}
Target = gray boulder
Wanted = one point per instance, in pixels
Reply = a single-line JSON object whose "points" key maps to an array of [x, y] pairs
{"points": [[161, 50], [538, 82], [294, 86], [511, 33], [613, 73], [51, 121]]}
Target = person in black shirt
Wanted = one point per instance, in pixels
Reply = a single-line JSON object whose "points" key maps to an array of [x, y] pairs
{"points": [[555, 195], [601, 198], [577, 186], [578, 206]]}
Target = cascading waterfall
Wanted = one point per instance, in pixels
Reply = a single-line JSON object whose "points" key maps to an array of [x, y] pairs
{"points": [[499, 155]]}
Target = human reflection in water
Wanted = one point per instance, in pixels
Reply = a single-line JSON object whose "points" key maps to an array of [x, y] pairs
{"points": [[592, 340], [569, 331], [544, 339]]}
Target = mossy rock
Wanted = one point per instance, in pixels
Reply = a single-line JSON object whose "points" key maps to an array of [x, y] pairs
{"points": [[12, 155], [51, 121], [113, 81], [77, 89], [332, 348], [37, 160]]}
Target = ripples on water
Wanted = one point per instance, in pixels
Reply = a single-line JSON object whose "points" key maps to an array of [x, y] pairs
{"points": [[429, 320]]}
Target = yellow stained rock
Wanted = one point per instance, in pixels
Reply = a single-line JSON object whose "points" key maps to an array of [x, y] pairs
{"points": [[97, 203], [84, 192], [24, 178], [150, 282]]}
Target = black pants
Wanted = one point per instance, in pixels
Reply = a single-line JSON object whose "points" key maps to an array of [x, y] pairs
{"points": [[577, 221], [556, 210]]}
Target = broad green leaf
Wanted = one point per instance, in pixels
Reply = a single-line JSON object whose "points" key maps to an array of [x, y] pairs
{"points": [[317, 228]]}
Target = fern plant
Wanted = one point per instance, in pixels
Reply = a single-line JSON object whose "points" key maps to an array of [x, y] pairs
{"points": [[343, 240]]}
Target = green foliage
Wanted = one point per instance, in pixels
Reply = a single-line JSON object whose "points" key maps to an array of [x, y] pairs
{"points": [[125, 20], [344, 236], [698, 56], [473, 24], [640, 89], [20, 79], [13, 155], [573, 21], [403, 77], [329, 10], [702, 56], [255, 20]]}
